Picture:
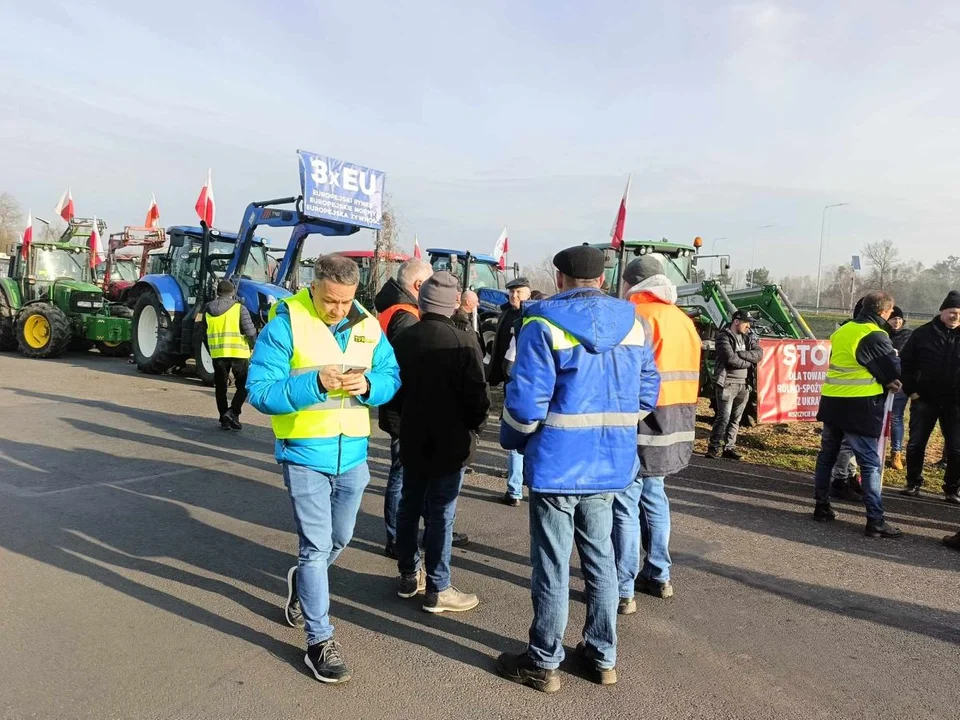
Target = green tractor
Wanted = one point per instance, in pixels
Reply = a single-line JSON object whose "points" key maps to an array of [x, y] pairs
{"points": [[49, 303]]}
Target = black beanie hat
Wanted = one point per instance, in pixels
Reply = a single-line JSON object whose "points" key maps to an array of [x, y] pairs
{"points": [[952, 300], [897, 312]]}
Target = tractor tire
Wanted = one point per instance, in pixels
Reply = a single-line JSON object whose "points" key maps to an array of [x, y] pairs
{"points": [[43, 331], [204, 361], [113, 349], [153, 336], [8, 337]]}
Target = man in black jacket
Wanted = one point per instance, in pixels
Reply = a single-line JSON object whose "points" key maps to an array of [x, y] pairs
{"points": [[444, 402], [737, 353], [230, 334], [931, 378]]}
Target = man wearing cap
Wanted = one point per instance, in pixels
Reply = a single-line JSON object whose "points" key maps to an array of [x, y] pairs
{"points": [[737, 353], [499, 372], [443, 398], [641, 513], [931, 378], [583, 378]]}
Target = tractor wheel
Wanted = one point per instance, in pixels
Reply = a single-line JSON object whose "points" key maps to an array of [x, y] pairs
{"points": [[204, 361], [8, 338], [153, 336], [109, 348], [43, 331]]}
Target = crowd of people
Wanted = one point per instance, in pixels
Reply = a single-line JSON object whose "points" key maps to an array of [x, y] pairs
{"points": [[600, 399]]}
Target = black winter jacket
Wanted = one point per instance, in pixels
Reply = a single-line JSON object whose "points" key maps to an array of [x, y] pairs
{"points": [[392, 293], [510, 317], [931, 363], [899, 338], [864, 415], [732, 365], [443, 396]]}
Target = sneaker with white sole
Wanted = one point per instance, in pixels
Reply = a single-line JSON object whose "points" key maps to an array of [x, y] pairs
{"points": [[325, 660], [292, 611], [412, 584], [450, 600]]}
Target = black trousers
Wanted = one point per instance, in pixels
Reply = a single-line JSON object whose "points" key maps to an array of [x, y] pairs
{"points": [[924, 416], [222, 367]]}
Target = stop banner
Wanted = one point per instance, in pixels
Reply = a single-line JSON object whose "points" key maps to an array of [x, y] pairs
{"points": [[789, 379]]}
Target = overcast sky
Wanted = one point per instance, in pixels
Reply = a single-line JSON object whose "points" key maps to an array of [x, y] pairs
{"points": [[529, 114]]}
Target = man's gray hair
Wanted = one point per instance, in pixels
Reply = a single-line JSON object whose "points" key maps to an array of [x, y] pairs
{"points": [[411, 271], [337, 269]]}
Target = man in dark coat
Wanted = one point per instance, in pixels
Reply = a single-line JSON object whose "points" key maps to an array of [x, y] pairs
{"points": [[444, 402], [737, 353], [931, 378], [228, 359]]}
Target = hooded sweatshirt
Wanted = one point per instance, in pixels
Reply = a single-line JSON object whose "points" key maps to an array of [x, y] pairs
{"points": [[583, 378]]}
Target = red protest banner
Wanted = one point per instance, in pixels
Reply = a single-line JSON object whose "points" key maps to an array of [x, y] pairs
{"points": [[789, 379]]}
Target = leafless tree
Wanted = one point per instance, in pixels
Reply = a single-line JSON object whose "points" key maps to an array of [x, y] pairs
{"points": [[11, 221], [884, 259], [542, 275], [54, 231]]}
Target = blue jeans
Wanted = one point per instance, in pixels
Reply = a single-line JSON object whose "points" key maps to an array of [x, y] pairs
{"points": [[391, 496], [556, 522], [896, 422], [434, 498], [325, 510], [865, 450], [515, 474], [641, 518]]}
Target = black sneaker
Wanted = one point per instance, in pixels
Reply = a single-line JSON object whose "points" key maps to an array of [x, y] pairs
{"points": [[911, 491], [510, 500], [224, 423], [292, 610], [882, 530], [460, 540], [520, 669], [232, 420], [412, 584], [732, 455], [325, 660], [952, 497], [662, 590], [599, 675], [390, 550], [952, 541], [940, 464], [845, 491], [711, 455], [823, 512]]}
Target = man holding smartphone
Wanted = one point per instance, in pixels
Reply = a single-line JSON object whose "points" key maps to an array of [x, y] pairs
{"points": [[320, 364]]}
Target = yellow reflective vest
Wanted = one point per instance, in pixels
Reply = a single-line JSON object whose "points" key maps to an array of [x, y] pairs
{"points": [[224, 338], [314, 346], [846, 378]]}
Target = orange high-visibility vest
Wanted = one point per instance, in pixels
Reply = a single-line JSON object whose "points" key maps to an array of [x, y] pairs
{"points": [[387, 315], [676, 349]]}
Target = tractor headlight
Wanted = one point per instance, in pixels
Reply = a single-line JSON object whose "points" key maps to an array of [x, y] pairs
{"points": [[89, 304]]}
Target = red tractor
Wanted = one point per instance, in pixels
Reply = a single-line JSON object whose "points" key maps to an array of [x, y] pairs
{"points": [[126, 263]]}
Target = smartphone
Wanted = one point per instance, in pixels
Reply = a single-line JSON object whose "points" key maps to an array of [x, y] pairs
{"points": [[355, 371]]}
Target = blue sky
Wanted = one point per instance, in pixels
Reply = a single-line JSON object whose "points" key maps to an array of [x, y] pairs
{"points": [[529, 114]]}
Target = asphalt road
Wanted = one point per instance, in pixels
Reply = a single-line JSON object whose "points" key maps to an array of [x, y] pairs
{"points": [[143, 551]]}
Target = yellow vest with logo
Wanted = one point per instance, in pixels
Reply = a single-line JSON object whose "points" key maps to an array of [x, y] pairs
{"points": [[314, 346], [846, 378], [224, 339]]}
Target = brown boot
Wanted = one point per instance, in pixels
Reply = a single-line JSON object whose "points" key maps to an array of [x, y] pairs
{"points": [[896, 461]]}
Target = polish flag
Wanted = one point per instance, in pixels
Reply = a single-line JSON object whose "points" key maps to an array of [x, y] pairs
{"points": [[501, 248], [65, 207], [27, 238], [153, 214], [206, 208], [97, 255], [616, 232], [416, 248]]}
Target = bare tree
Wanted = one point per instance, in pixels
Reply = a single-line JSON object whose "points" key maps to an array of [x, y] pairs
{"points": [[541, 276], [53, 231], [11, 221], [884, 259]]}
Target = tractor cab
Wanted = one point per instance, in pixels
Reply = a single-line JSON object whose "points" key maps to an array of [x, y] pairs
{"points": [[678, 261], [127, 255], [375, 270], [78, 231]]}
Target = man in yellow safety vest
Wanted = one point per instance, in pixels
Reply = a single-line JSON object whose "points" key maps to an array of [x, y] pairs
{"points": [[230, 335], [319, 365]]}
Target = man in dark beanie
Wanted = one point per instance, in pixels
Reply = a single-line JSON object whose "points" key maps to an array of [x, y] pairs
{"points": [[583, 377], [230, 335], [444, 402], [931, 379]]}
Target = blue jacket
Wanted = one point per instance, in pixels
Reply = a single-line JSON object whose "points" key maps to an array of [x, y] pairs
{"points": [[576, 397], [274, 391]]}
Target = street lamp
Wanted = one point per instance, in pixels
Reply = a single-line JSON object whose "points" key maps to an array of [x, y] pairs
{"points": [[823, 225], [713, 248], [753, 251]]}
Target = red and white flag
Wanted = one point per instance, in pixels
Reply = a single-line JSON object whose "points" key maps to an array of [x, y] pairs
{"points": [[206, 208], [153, 214], [27, 237], [416, 248], [886, 432], [97, 255], [616, 232], [65, 207], [501, 249]]}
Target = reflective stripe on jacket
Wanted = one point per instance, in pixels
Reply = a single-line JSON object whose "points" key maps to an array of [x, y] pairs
{"points": [[665, 437], [314, 346], [846, 378], [224, 339], [385, 317]]}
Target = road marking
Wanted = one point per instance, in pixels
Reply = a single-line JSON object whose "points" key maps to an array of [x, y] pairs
{"points": [[34, 493]]}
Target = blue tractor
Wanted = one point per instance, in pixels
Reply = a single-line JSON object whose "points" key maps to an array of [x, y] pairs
{"points": [[170, 300]]}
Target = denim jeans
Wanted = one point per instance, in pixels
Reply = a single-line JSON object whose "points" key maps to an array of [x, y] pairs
{"points": [[896, 422], [556, 523], [325, 510], [515, 474], [641, 518], [865, 450], [434, 498], [923, 418], [391, 496], [731, 401]]}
